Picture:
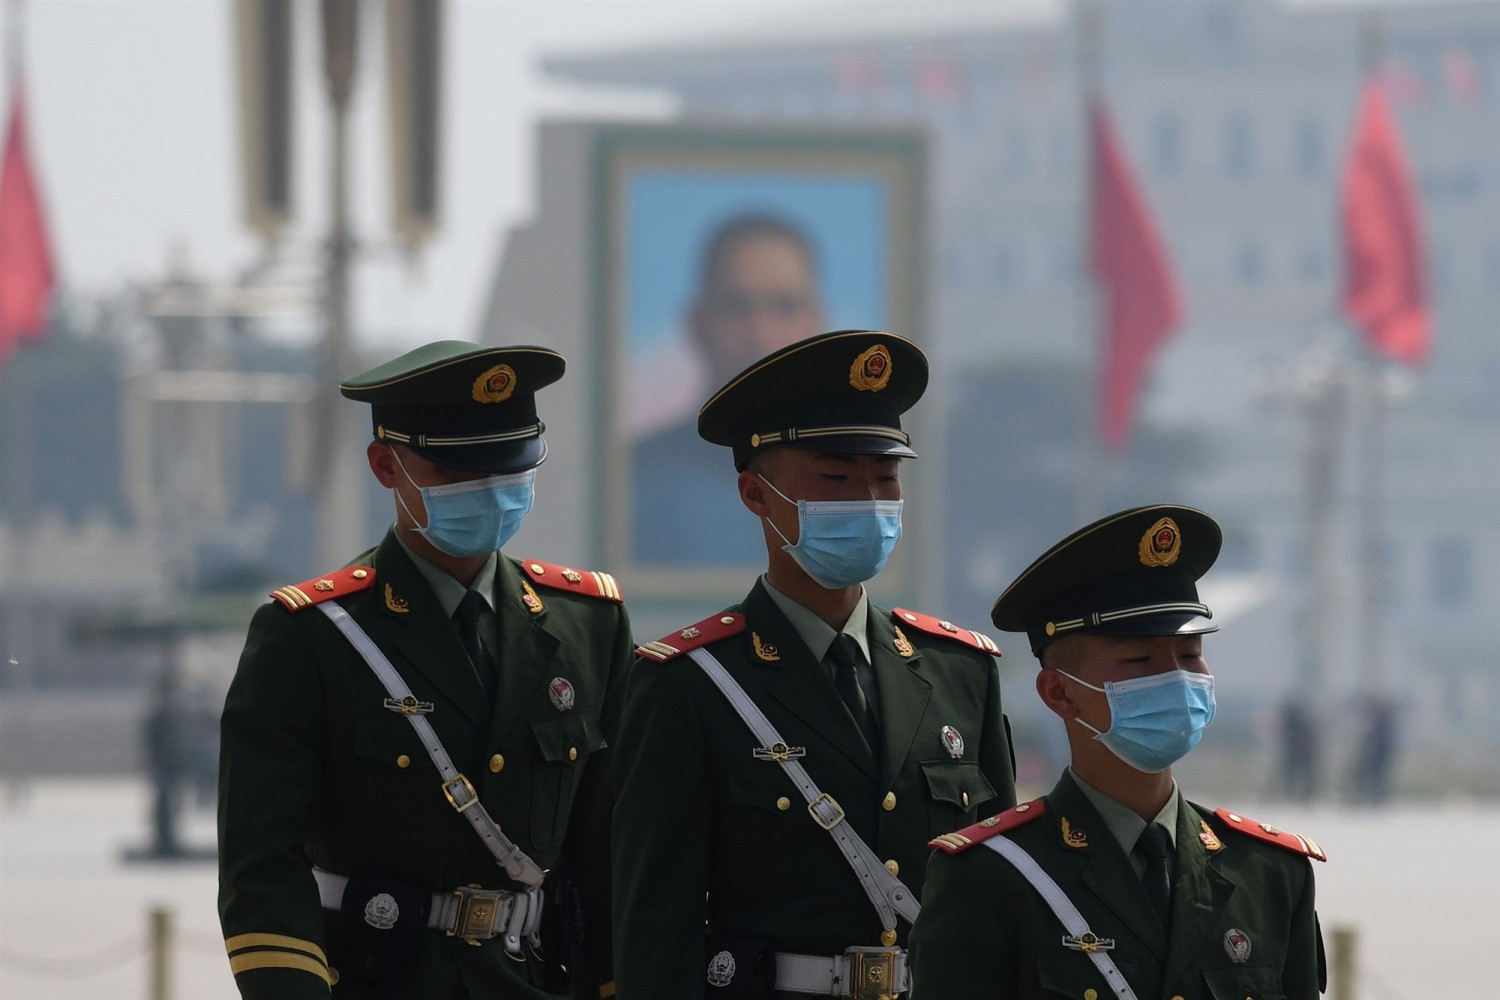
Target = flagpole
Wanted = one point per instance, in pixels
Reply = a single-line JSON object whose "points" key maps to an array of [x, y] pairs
{"points": [[1091, 312]]}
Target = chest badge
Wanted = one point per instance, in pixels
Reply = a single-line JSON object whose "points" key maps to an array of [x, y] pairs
{"points": [[953, 741], [1237, 945], [408, 705], [778, 752], [1088, 941], [721, 969], [560, 690]]}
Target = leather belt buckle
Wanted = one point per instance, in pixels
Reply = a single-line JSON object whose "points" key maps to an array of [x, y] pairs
{"points": [[873, 973], [479, 914], [826, 812]]}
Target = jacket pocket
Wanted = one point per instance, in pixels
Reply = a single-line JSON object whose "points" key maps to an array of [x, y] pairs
{"points": [[1244, 982], [955, 788], [564, 745]]}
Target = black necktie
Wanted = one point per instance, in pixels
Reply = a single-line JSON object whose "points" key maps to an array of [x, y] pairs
{"points": [[469, 620], [844, 654], [1156, 847]]}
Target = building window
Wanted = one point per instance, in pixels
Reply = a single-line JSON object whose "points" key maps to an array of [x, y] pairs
{"points": [[1451, 572], [1166, 145], [1239, 146], [1308, 149]]}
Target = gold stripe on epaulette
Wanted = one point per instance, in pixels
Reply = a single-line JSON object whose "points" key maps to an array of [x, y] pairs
{"points": [[660, 650], [985, 642], [954, 840], [1313, 848], [242, 941], [246, 961], [606, 585], [294, 596]]}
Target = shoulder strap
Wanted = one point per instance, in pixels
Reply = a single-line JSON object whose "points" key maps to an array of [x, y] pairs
{"points": [[887, 893], [1079, 935], [578, 581], [456, 787]]}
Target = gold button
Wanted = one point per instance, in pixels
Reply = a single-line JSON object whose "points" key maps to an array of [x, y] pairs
{"points": [[755, 440], [783, 803], [727, 620], [908, 616], [1051, 628], [403, 761], [889, 802], [572, 753], [359, 574], [887, 938], [538, 569], [893, 867], [475, 885], [1177, 997], [966, 799], [1022, 808], [497, 763], [1090, 994], [333, 976]]}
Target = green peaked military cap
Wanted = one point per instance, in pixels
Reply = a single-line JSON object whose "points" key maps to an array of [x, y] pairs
{"points": [[461, 405], [841, 392], [1131, 573]]}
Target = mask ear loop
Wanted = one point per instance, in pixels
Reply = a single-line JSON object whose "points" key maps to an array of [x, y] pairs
{"points": [[789, 500], [1078, 718], [419, 529]]}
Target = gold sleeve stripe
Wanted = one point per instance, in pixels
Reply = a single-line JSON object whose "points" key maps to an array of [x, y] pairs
{"points": [[278, 960], [242, 941], [607, 990]]}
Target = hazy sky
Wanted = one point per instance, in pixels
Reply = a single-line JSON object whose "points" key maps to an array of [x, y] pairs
{"points": [[135, 137], [134, 132]]}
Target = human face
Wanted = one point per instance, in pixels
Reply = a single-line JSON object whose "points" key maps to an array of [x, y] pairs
{"points": [[1099, 659], [816, 475], [403, 470], [760, 298]]}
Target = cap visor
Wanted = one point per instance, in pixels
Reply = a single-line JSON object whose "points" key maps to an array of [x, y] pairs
{"points": [[508, 456]]}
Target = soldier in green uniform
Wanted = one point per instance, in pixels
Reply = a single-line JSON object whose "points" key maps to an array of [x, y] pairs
{"points": [[412, 741], [783, 762], [1114, 884]]}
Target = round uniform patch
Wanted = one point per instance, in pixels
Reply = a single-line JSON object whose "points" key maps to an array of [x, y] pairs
{"points": [[1161, 545], [381, 912], [871, 370], [561, 693], [1237, 945], [495, 385], [721, 969]]}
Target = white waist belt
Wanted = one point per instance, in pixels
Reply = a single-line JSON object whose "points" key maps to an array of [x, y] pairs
{"points": [[469, 913], [859, 972]]}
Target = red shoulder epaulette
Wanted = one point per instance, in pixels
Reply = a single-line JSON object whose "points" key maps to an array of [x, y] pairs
{"points": [[1271, 835], [577, 581], [953, 843], [339, 583], [711, 629], [946, 629]]}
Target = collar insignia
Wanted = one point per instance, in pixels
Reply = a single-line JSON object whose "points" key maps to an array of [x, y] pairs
{"points": [[1074, 838], [902, 644], [764, 650], [394, 603]]}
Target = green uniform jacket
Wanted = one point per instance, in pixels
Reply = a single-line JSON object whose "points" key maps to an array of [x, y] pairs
{"points": [[985, 934], [315, 770], [706, 834]]}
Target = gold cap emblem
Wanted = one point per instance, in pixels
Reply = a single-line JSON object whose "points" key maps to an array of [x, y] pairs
{"points": [[1162, 544], [871, 371], [495, 385]]}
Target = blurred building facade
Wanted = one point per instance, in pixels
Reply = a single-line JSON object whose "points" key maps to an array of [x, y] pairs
{"points": [[1236, 115]]}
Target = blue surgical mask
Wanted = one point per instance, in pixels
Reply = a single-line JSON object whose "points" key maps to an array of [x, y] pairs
{"points": [[476, 517], [841, 543], [1155, 720]]}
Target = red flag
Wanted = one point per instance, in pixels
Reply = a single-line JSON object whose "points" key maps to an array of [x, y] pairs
{"points": [[1385, 291], [1138, 297], [26, 275]]}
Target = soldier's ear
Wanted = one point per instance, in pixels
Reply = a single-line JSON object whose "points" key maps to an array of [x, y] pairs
{"points": [[1052, 687], [382, 463], [753, 494]]}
